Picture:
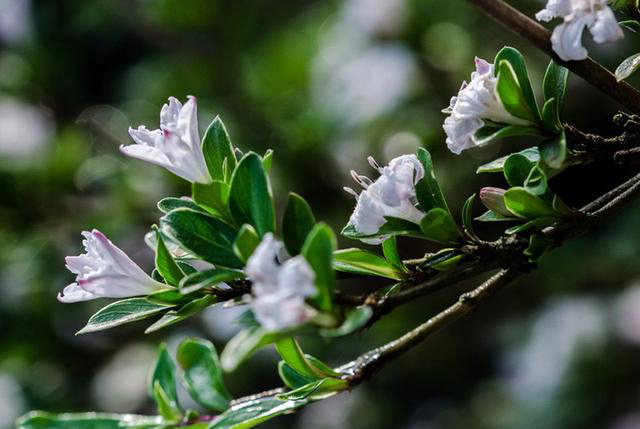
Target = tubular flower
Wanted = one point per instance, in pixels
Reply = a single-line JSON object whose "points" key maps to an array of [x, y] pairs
{"points": [[392, 194], [596, 15], [175, 145], [279, 290], [105, 271], [476, 102]]}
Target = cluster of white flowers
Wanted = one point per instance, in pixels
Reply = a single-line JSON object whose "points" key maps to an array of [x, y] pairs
{"points": [[476, 102], [105, 271], [596, 15], [392, 194], [175, 145], [279, 289]]}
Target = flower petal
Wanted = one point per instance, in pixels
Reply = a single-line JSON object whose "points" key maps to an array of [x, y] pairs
{"points": [[74, 293]]}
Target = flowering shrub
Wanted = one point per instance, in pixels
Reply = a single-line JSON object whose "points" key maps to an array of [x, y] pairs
{"points": [[283, 269]]}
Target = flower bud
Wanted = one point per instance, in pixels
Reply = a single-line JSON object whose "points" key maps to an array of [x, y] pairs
{"points": [[493, 199]]}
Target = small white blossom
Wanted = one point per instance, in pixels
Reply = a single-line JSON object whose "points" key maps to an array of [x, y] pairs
{"points": [[596, 15], [279, 290], [175, 145], [476, 102], [392, 194], [105, 271]]}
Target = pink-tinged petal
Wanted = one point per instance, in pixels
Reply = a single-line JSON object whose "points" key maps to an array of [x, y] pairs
{"points": [[276, 314], [81, 263], [126, 265], [146, 153], [566, 39], [482, 66], [368, 215], [116, 285], [296, 277], [606, 27], [262, 266], [188, 124], [169, 113], [143, 136], [74, 293]]}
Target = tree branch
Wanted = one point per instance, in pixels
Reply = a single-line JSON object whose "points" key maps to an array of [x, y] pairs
{"points": [[540, 37], [362, 367], [366, 364]]}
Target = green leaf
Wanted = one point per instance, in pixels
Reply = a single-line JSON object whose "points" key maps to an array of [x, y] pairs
{"points": [[167, 407], [491, 216], [448, 264], [511, 94], [554, 151], [560, 207], [519, 67], [164, 374], [187, 310], [213, 197], [536, 182], [537, 224], [246, 242], [290, 351], [358, 261], [250, 197], [186, 268], [291, 378], [443, 259], [526, 205], [202, 235], [393, 226], [267, 160], [165, 205], [316, 390], [497, 165], [297, 223], [208, 278], [491, 132], [121, 312], [551, 116], [628, 67], [251, 413], [243, 345], [203, 374], [631, 25], [554, 85], [517, 168], [318, 250], [356, 319], [390, 251], [217, 149], [467, 216], [44, 420], [438, 225], [428, 190], [538, 244], [171, 296], [166, 266]]}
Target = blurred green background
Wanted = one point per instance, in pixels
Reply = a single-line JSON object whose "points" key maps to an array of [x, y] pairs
{"points": [[323, 83]]}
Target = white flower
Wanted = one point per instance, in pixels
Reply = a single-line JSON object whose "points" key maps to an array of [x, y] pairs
{"points": [[392, 194], [476, 102], [566, 39], [176, 145], [279, 290], [105, 271]]}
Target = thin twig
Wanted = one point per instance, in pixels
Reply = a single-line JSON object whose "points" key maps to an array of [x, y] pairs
{"points": [[362, 367], [539, 36]]}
